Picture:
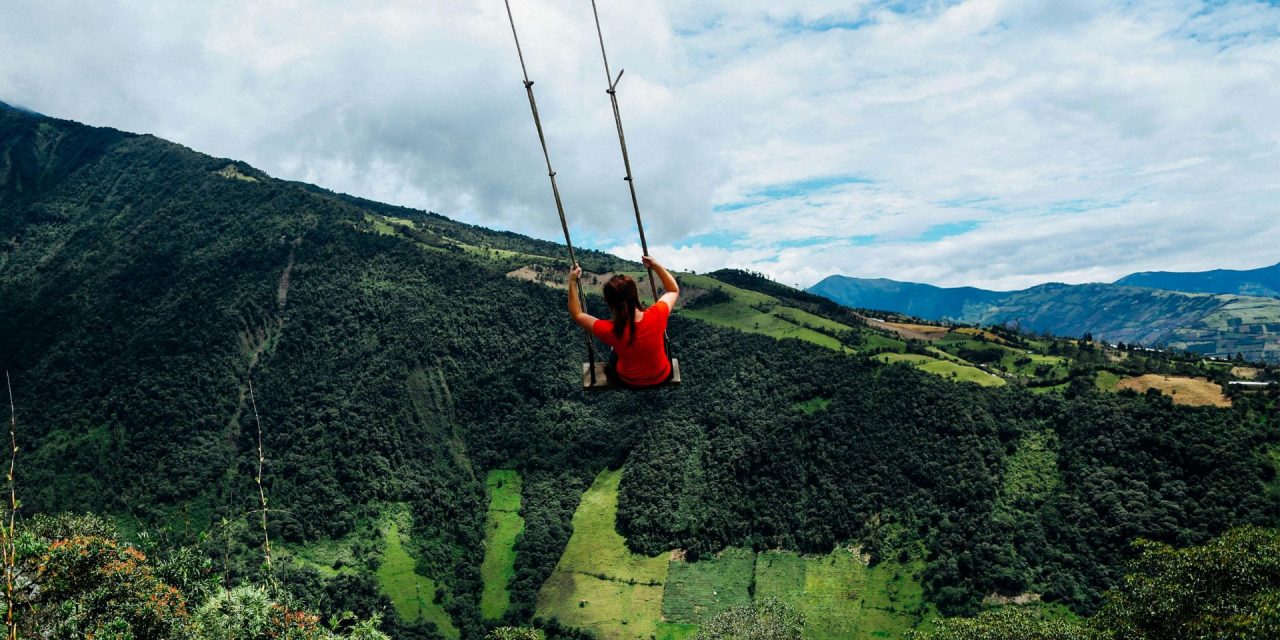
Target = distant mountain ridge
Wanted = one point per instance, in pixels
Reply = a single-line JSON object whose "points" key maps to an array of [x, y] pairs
{"points": [[1264, 281], [1215, 319], [920, 300]]}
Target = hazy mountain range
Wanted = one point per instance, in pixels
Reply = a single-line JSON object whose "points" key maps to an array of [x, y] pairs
{"points": [[1218, 313]]}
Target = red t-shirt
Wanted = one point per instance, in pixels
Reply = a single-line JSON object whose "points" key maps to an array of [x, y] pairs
{"points": [[643, 362]]}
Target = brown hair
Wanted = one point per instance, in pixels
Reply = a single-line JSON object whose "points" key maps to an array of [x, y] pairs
{"points": [[623, 300]]}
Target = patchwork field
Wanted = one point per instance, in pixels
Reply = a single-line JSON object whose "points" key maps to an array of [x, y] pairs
{"points": [[697, 591], [950, 368], [962, 373], [1188, 391], [503, 525], [598, 584], [412, 595], [974, 331], [841, 597]]}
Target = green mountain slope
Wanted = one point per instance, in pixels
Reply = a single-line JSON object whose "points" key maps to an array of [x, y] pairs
{"points": [[394, 362]]}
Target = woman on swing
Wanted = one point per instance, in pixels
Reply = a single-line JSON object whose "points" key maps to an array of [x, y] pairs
{"points": [[639, 357]]}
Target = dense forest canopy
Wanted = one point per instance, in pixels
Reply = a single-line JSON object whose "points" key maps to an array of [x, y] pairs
{"points": [[143, 285]]}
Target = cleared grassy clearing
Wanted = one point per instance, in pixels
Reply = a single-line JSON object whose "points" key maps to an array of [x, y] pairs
{"points": [[1031, 473], [503, 525], [974, 331], [327, 557], [697, 591], [751, 320], [380, 225], [950, 368], [676, 631], [802, 317], [412, 595], [894, 601], [909, 358], [812, 406], [875, 340], [943, 355], [1006, 358], [1188, 391], [841, 597], [505, 254], [1106, 380], [962, 373], [598, 584]]}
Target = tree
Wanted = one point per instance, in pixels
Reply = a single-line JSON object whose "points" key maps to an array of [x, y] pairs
{"points": [[513, 633], [1228, 588], [769, 619], [1007, 623]]}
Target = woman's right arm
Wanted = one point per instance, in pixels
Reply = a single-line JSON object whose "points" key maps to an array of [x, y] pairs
{"points": [[585, 320], [671, 290]]}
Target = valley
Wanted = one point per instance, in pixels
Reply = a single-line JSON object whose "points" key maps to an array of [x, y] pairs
{"points": [[430, 459]]}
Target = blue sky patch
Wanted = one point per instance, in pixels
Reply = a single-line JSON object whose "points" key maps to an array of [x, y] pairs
{"points": [[946, 230]]}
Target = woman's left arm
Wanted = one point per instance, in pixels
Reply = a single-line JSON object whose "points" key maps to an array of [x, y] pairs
{"points": [[584, 319]]}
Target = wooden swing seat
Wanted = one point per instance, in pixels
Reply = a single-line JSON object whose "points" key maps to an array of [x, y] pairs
{"points": [[602, 381]]}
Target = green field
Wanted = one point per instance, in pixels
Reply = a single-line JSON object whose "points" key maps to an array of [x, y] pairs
{"points": [[876, 340], [1107, 380], [328, 557], [828, 590], [842, 598], [503, 525], [950, 368], [963, 373], [412, 595], [755, 312], [598, 584], [697, 591], [913, 359], [1009, 357]]}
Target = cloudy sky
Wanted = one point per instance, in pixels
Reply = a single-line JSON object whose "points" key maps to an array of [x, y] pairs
{"points": [[997, 143]]}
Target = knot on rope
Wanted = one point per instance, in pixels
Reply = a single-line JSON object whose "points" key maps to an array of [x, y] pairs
{"points": [[528, 84]]}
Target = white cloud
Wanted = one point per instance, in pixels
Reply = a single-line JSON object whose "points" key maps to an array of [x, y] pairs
{"points": [[1086, 139]]}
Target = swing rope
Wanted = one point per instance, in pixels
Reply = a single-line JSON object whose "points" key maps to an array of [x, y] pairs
{"points": [[555, 190], [626, 160], [622, 142]]}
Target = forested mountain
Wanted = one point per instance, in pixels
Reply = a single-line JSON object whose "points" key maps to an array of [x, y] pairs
{"points": [[144, 287], [1264, 281], [1220, 325], [919, 300]]}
